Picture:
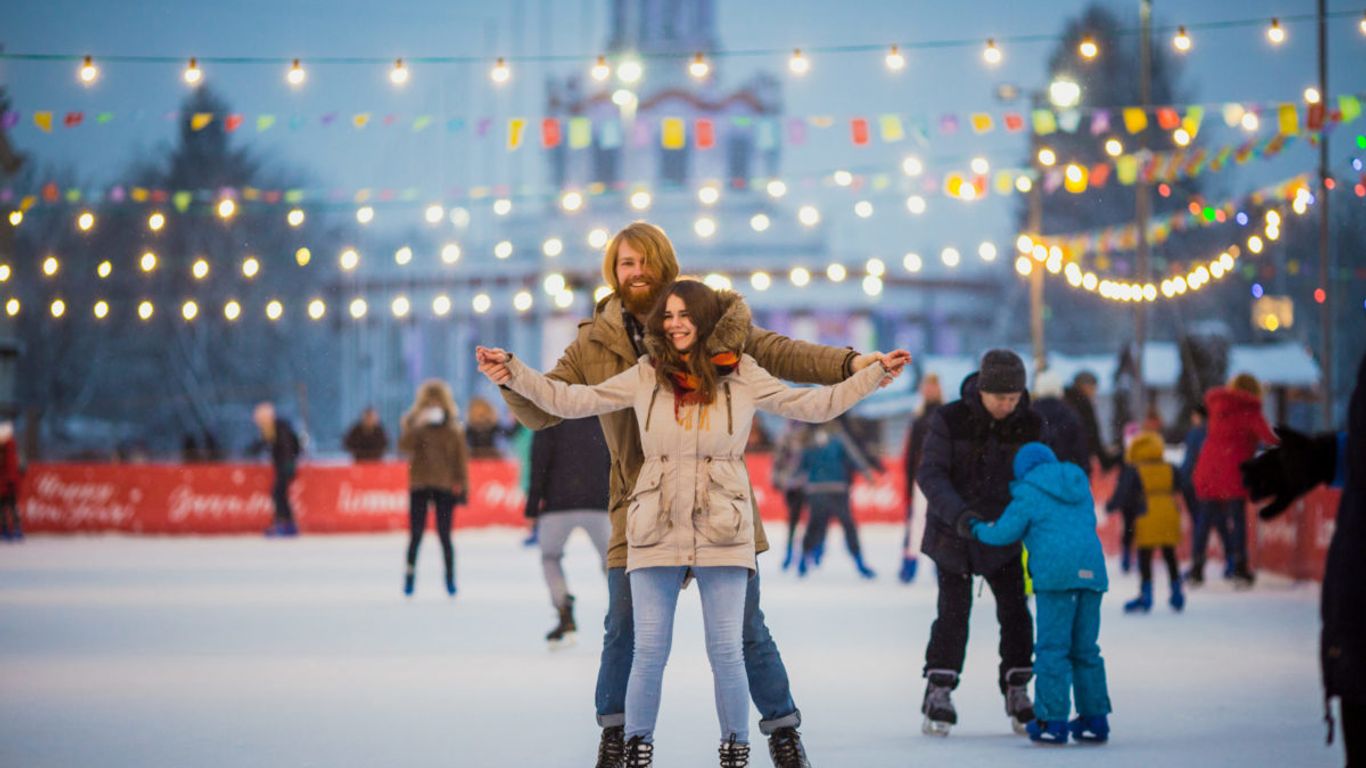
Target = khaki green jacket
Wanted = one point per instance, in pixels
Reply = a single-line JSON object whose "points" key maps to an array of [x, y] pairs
{"points": [[603, 349]]}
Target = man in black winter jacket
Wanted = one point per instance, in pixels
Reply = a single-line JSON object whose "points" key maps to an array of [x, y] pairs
{"points": [[570, 469], [1081, 396], [965, 474], [1286, 472]]}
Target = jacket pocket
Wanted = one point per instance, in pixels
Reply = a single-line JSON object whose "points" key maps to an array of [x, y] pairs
{"points": [[726, 517], [647, 516]]}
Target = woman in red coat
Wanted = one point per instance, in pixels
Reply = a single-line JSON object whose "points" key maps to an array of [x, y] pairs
{"points": [[1236, 429], [10, 528]]}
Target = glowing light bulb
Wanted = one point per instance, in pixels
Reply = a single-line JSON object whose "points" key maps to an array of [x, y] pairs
{"points": [[836, 273], [500, 73], [980, 166], [1114, 147], [295, 218], [894, 60], [250, 267], [274, 309], [503, 249], [232, 310], [522, 301], [991, 54], [58, 308], [915, 204], [808, 215], [317, 308], [450, 253], [1275, 33], [600, 71], [950, 257], [699, 68], [1047, 157], [630, 71], [200, 269], [798, 64], [1312, 95], [640, 200], [441, 305], [146, 310], [1182, 41], [104, 269], [358, 308], [148, 262], [296, 74], [12, 307], [776, 188], [156, 221], [912, 262], [399, 74], [85, 221], [872, 285], [761, 281], [365, 214], [912, 166], [502, 206], [863, 209], [1250, 121], [1182, 137], [16, 218], [189, 310], [759, 222], [1088, 49], [875, 267], [597, 238], [349, 259], [571, 202], [226, 208], [403, 256], [800, 277], [987, 251], [193, 75], [88, 72], [709, 194], [844, 178], [481, 303], [704, 227], [434, 214], [552, 247], [101, 309], [400, 306], [50, 266]]}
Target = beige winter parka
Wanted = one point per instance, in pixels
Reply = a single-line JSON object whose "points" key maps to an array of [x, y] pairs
{"points": [[691, 503]]}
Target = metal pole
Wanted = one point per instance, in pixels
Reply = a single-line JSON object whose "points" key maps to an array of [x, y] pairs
{"points": [[1325, 257], [1036, 279], [1142, 202]]}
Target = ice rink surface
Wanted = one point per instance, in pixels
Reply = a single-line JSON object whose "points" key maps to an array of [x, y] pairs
{"points": [[213, 652]]}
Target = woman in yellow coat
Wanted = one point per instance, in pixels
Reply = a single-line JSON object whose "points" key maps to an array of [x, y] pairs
{"points": [[1147, 491]]}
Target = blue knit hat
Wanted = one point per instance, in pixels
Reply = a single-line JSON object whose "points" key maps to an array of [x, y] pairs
{"points": [[1032, 455]]}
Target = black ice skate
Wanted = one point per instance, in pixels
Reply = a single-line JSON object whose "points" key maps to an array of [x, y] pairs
{"points": [[611, 749], [639, 753], [734, 755], [786, 750], [938, 709], [563, 635], [1018, 705]]}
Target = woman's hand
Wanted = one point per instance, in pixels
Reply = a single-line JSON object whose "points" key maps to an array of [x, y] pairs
{"points": [[894, 363], [493, 364]]}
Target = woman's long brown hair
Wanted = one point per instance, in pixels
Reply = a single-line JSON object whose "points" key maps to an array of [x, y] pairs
{"points": [[704, 310]]}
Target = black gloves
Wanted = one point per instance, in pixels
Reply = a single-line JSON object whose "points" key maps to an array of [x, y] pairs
{"points": [[964, 525], [1291, 469]]}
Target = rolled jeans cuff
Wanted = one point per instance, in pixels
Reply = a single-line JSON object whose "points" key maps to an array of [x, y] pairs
{"points": [[767, 727], [618, 720]]}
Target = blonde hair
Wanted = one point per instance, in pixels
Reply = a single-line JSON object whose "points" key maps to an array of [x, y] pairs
{"points": [[652, 245], [435, 392], [1246, 382]]}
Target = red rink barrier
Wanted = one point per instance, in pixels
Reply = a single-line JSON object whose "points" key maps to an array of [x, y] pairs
{"points": [[200, 499]]}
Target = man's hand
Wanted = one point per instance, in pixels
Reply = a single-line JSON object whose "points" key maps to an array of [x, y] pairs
{"points": [[1290, 470], [493, 364], [966, 521]]}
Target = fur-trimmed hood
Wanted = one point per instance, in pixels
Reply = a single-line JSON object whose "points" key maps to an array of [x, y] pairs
{"points": [[729, 335]]}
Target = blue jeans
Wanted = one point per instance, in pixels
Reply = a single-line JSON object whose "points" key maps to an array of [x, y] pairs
{"points": [[768, 685], [1067, 655], [723, 609]]}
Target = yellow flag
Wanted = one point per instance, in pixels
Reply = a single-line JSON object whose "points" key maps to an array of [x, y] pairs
{"points": [[1289, 119], [1126, 168], [1135, 119], [674, 135], [981, 122], [516, 126], [891, 128], [1045, 122], [580, 132], [200, 120], [361, 119], [43, 120]]}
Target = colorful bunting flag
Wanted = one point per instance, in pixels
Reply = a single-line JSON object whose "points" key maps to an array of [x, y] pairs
{"points": [[200, 120], [1014, 122], [1168, 119], [891, 128], [550, 132], [1288, 119], [264, 122], [516, 126], [858, 131], [232, 122], [580, 132], [673, 134], [981, 122], [704, 128], [796, 131], [1045, 122], [1135, 119], [360, 120]]}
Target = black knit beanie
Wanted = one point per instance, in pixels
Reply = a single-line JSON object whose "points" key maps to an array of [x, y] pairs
{"points": [[1002, 372]]}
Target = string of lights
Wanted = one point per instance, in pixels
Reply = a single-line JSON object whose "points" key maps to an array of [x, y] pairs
{"points": [[629, 68]]}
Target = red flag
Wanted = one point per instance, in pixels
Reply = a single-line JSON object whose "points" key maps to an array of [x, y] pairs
{"points": [[1014, 122], [73, 119], [1100, 173], [232, 123], [705, 131], [1316, 116], [550, 132], [858, 128], [1168, 119]]}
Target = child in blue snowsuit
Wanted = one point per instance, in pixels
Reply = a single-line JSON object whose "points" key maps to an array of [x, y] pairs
{"points": [[1052, 510], [828, 464]]}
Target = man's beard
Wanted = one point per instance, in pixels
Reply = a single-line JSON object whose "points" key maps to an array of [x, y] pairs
{"points": [[639, 303]]}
